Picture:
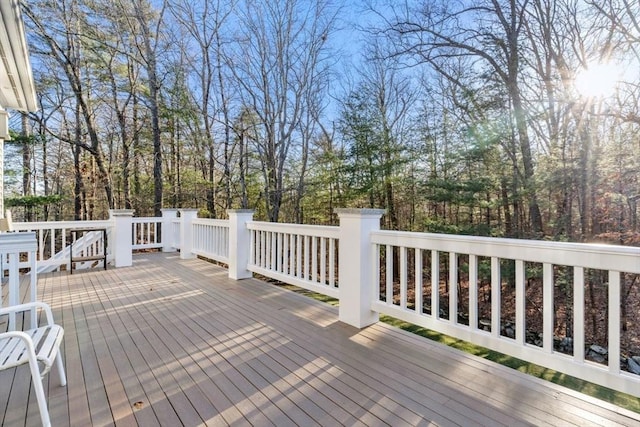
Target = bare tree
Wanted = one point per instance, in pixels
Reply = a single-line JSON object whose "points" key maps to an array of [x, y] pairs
{"points": [[121, 72], [149, 24], [281, 56], [487, 31], [623, 17], [65, 45], [393, 96], [564, 39], [204, 24]]}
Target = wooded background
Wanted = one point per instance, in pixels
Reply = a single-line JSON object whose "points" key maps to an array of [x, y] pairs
{"points": [[454, 116]]}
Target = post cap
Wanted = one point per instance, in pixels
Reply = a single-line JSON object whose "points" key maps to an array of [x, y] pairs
{"points": [[121, 212], [360, 212]]}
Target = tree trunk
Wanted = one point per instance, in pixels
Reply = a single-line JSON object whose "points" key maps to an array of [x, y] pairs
{"points": [[506, 207], [535, 217], [136, 151], [26, 158], [157, 143], [45, 176], [78, 187], [153, 103], [242, 165]]}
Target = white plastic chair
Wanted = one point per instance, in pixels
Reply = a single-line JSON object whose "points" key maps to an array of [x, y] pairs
{"points": [[40, 344]]}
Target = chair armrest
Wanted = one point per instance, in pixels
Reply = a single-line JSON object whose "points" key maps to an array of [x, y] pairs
{"points": [[29, 306], [21, 335], [16, 334], [5, 338]]}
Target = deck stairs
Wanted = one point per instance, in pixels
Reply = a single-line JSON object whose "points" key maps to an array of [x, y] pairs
{"points": [[80, 246]]}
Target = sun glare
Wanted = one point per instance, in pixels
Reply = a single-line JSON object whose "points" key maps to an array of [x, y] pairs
{"points": [[597, 80]]}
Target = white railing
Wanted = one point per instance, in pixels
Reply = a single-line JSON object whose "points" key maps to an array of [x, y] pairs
{"points": [[301, 255], [457, 285], [13, 248], [211, 239], [407, 263], [146, 233], [54, 237]]}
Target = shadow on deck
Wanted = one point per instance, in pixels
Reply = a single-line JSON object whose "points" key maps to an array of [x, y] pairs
{"points": [[175, 342]]}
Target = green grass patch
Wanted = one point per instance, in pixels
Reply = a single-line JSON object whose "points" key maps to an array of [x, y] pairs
{"points": [[617, 398]]}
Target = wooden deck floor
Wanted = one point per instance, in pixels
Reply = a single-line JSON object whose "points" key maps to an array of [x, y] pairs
{"points": [[172, 342]]}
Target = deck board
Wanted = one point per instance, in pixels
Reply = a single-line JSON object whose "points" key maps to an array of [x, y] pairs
{"points": [[175, 342]]}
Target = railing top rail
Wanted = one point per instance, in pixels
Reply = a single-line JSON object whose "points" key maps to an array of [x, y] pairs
{"points": [[18, 242], [587, 255], [310, 230], [47, 225]]}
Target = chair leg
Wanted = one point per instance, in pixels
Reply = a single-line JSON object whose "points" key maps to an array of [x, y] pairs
{"points": [[63, 376], [39, 389]]}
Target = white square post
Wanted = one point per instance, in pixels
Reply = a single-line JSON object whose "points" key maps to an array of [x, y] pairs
{"points": [[122, 239], [186, 232], [355, 265], [239, 243], [168, 236]]}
